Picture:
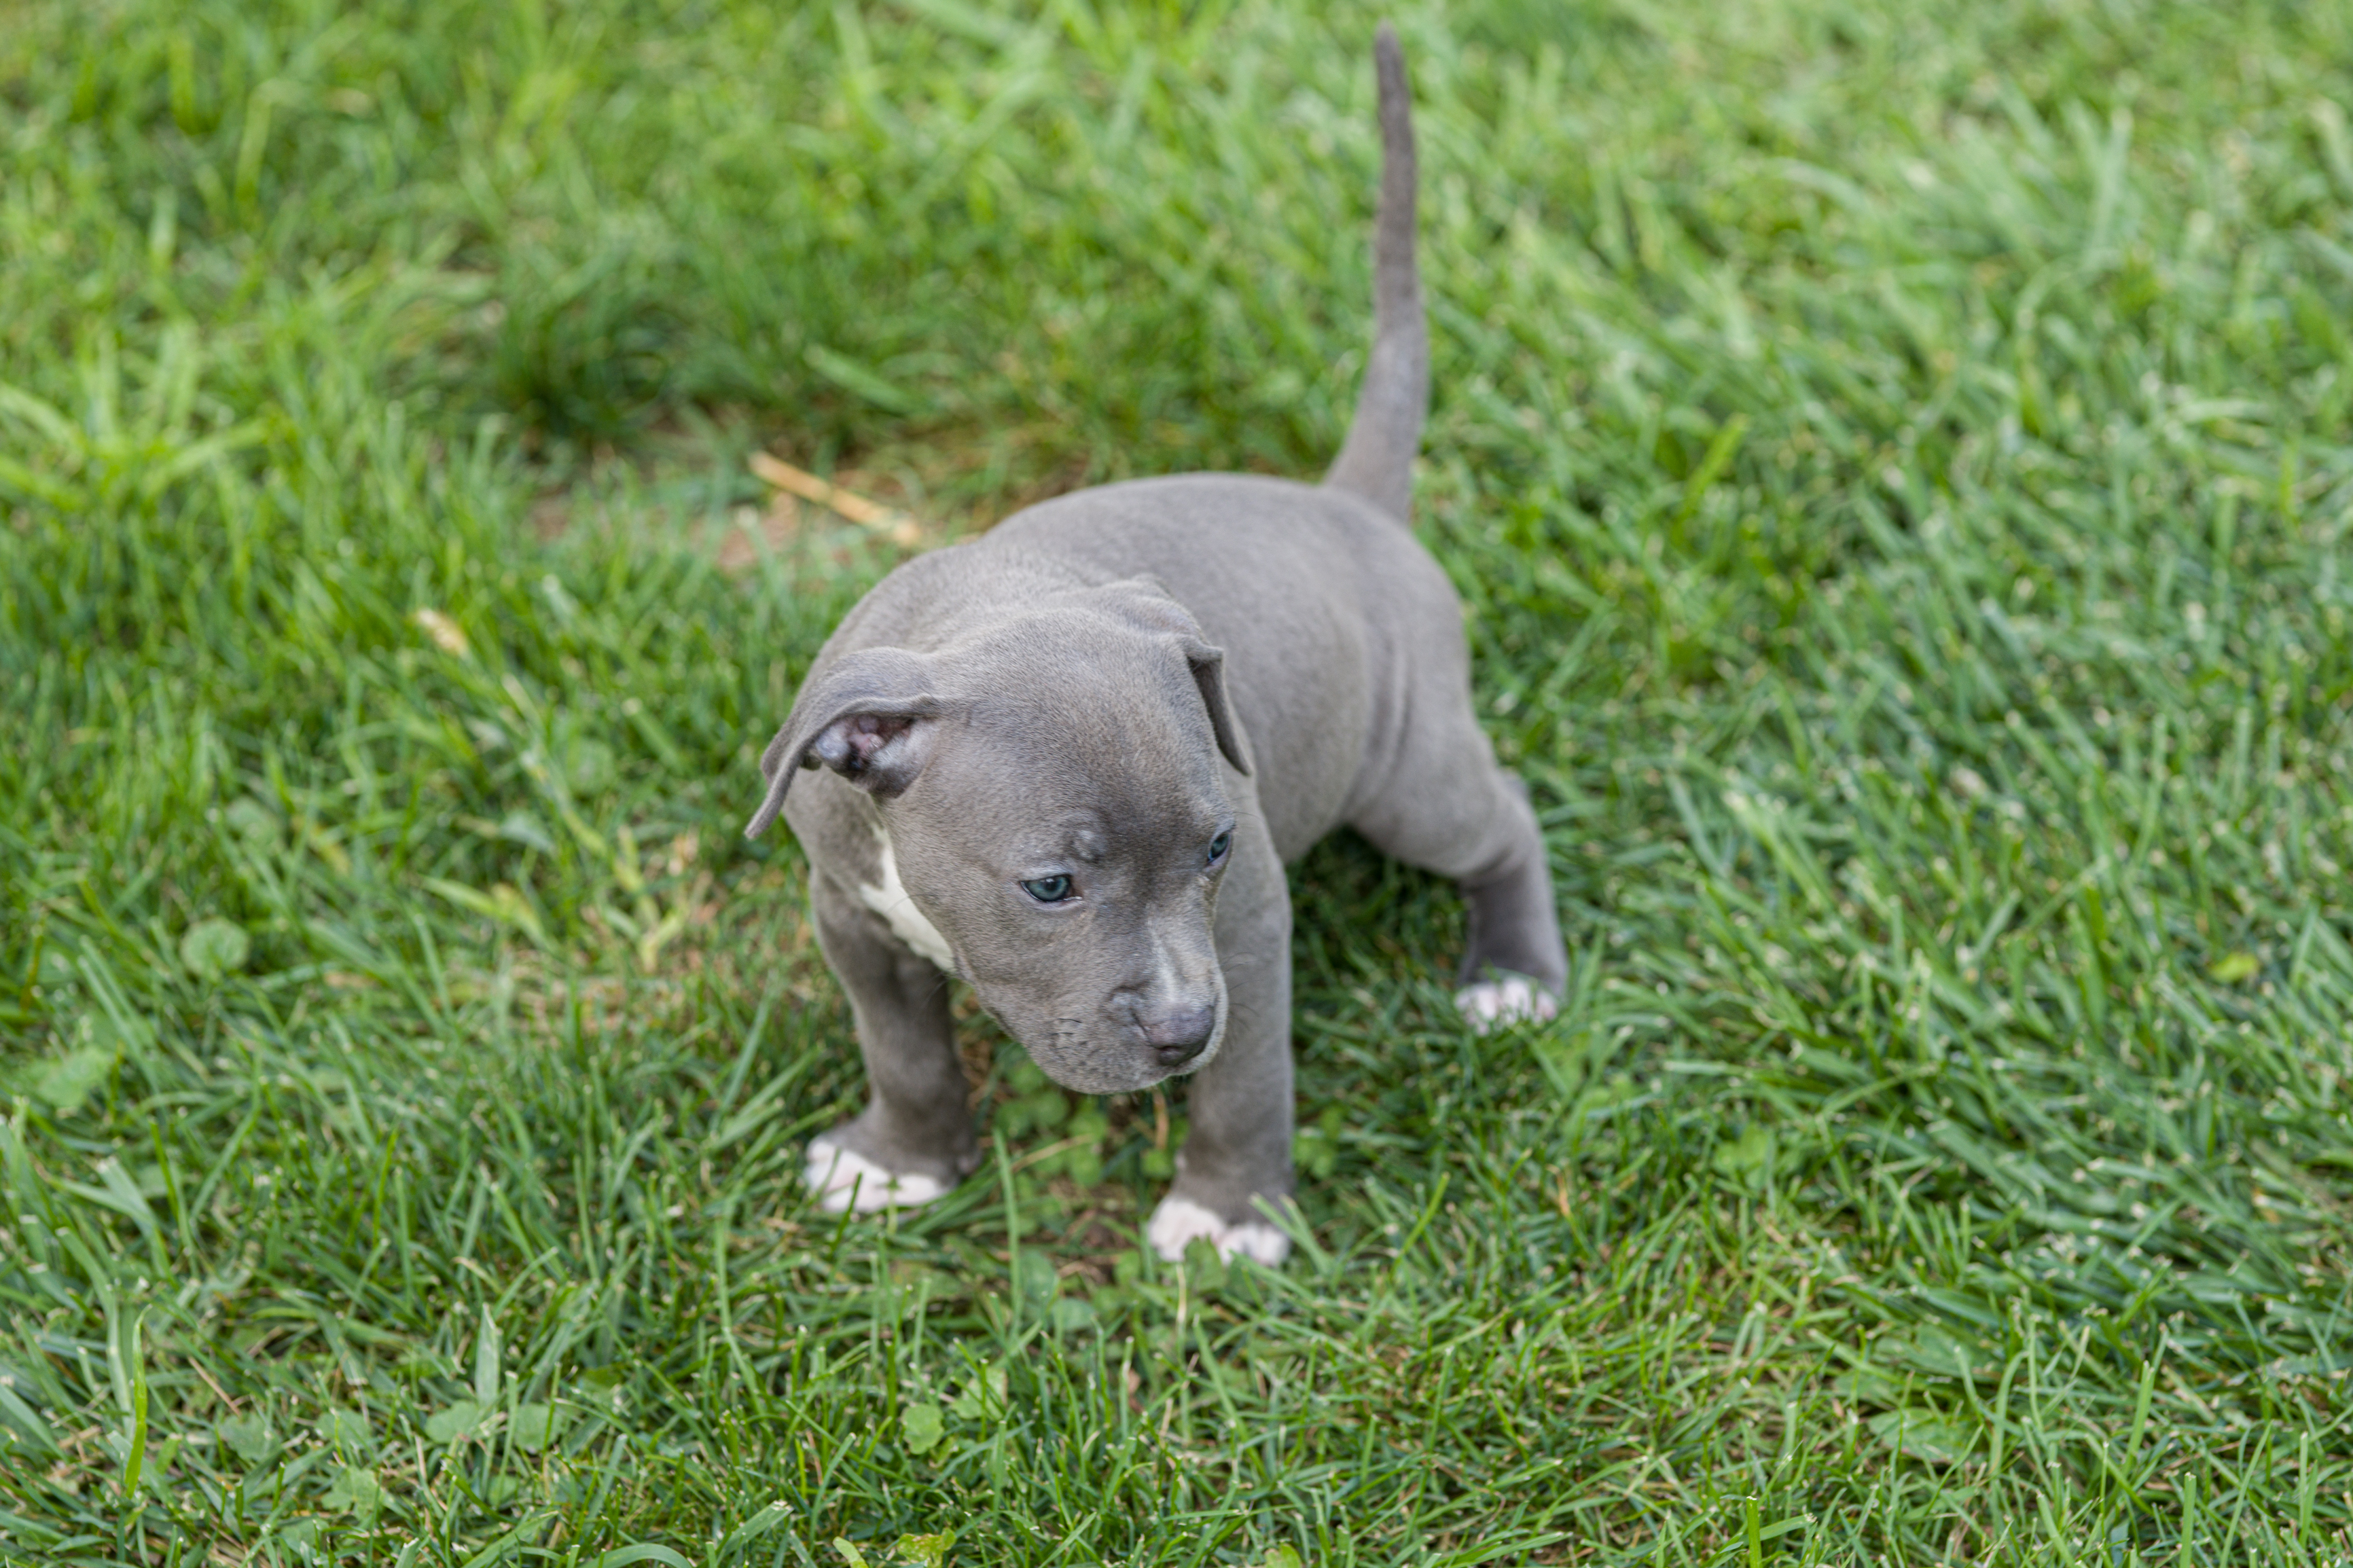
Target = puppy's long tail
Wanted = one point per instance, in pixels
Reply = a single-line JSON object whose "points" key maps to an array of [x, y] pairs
{"points": [[1377, 462]]}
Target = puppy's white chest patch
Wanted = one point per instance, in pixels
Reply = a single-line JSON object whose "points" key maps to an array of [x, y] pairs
{"points": [[907, 923]]}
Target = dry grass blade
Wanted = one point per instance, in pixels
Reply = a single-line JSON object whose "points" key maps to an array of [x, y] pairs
{"points": [[894, 525]]}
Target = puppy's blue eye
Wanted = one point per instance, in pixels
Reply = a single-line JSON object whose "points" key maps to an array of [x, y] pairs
{"points": [[1219, 845], [1047, 889]]}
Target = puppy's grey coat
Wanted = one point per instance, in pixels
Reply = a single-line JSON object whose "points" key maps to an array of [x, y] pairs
{"points": [[1069, 758]]}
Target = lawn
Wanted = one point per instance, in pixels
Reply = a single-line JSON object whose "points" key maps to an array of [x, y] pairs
{"points": [[1898, 456]]}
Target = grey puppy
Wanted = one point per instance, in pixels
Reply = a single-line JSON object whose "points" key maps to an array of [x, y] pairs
{"points": [[1067, 761]]}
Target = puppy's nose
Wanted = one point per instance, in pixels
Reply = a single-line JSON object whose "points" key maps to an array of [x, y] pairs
{"points": [[1176, 1034]]}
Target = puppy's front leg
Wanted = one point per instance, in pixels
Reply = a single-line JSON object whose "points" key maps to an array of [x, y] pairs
{"points": [[1239, 1148], [915, 1140]]}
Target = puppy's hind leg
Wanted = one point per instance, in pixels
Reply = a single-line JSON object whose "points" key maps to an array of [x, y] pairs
{"points": [[1448, 807], [1514, 966], [915, 1140]]}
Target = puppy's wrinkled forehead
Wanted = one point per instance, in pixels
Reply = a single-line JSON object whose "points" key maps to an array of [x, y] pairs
{"points": [[1086, 729]]}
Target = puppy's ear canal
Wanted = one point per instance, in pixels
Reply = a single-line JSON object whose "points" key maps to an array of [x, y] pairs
{"points": [[868, 719], [1209, 673]]}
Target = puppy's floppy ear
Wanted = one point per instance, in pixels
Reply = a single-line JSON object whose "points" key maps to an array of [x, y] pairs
{"points": [[1208, 665], [869, 718]]}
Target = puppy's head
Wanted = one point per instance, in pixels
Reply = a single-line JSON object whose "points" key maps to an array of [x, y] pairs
{"points": [[1051, 791]]}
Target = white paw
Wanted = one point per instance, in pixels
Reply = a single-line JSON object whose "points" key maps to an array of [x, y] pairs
{"points": [[842, 1180], [1179, 1220], [1514, 999]]}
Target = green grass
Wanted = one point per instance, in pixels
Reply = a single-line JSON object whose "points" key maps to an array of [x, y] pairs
{"points": [[1898, 458]]}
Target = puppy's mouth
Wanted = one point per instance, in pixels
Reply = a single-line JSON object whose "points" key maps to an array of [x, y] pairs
{"points": [[1198, 1059], [1089, 1064]]}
